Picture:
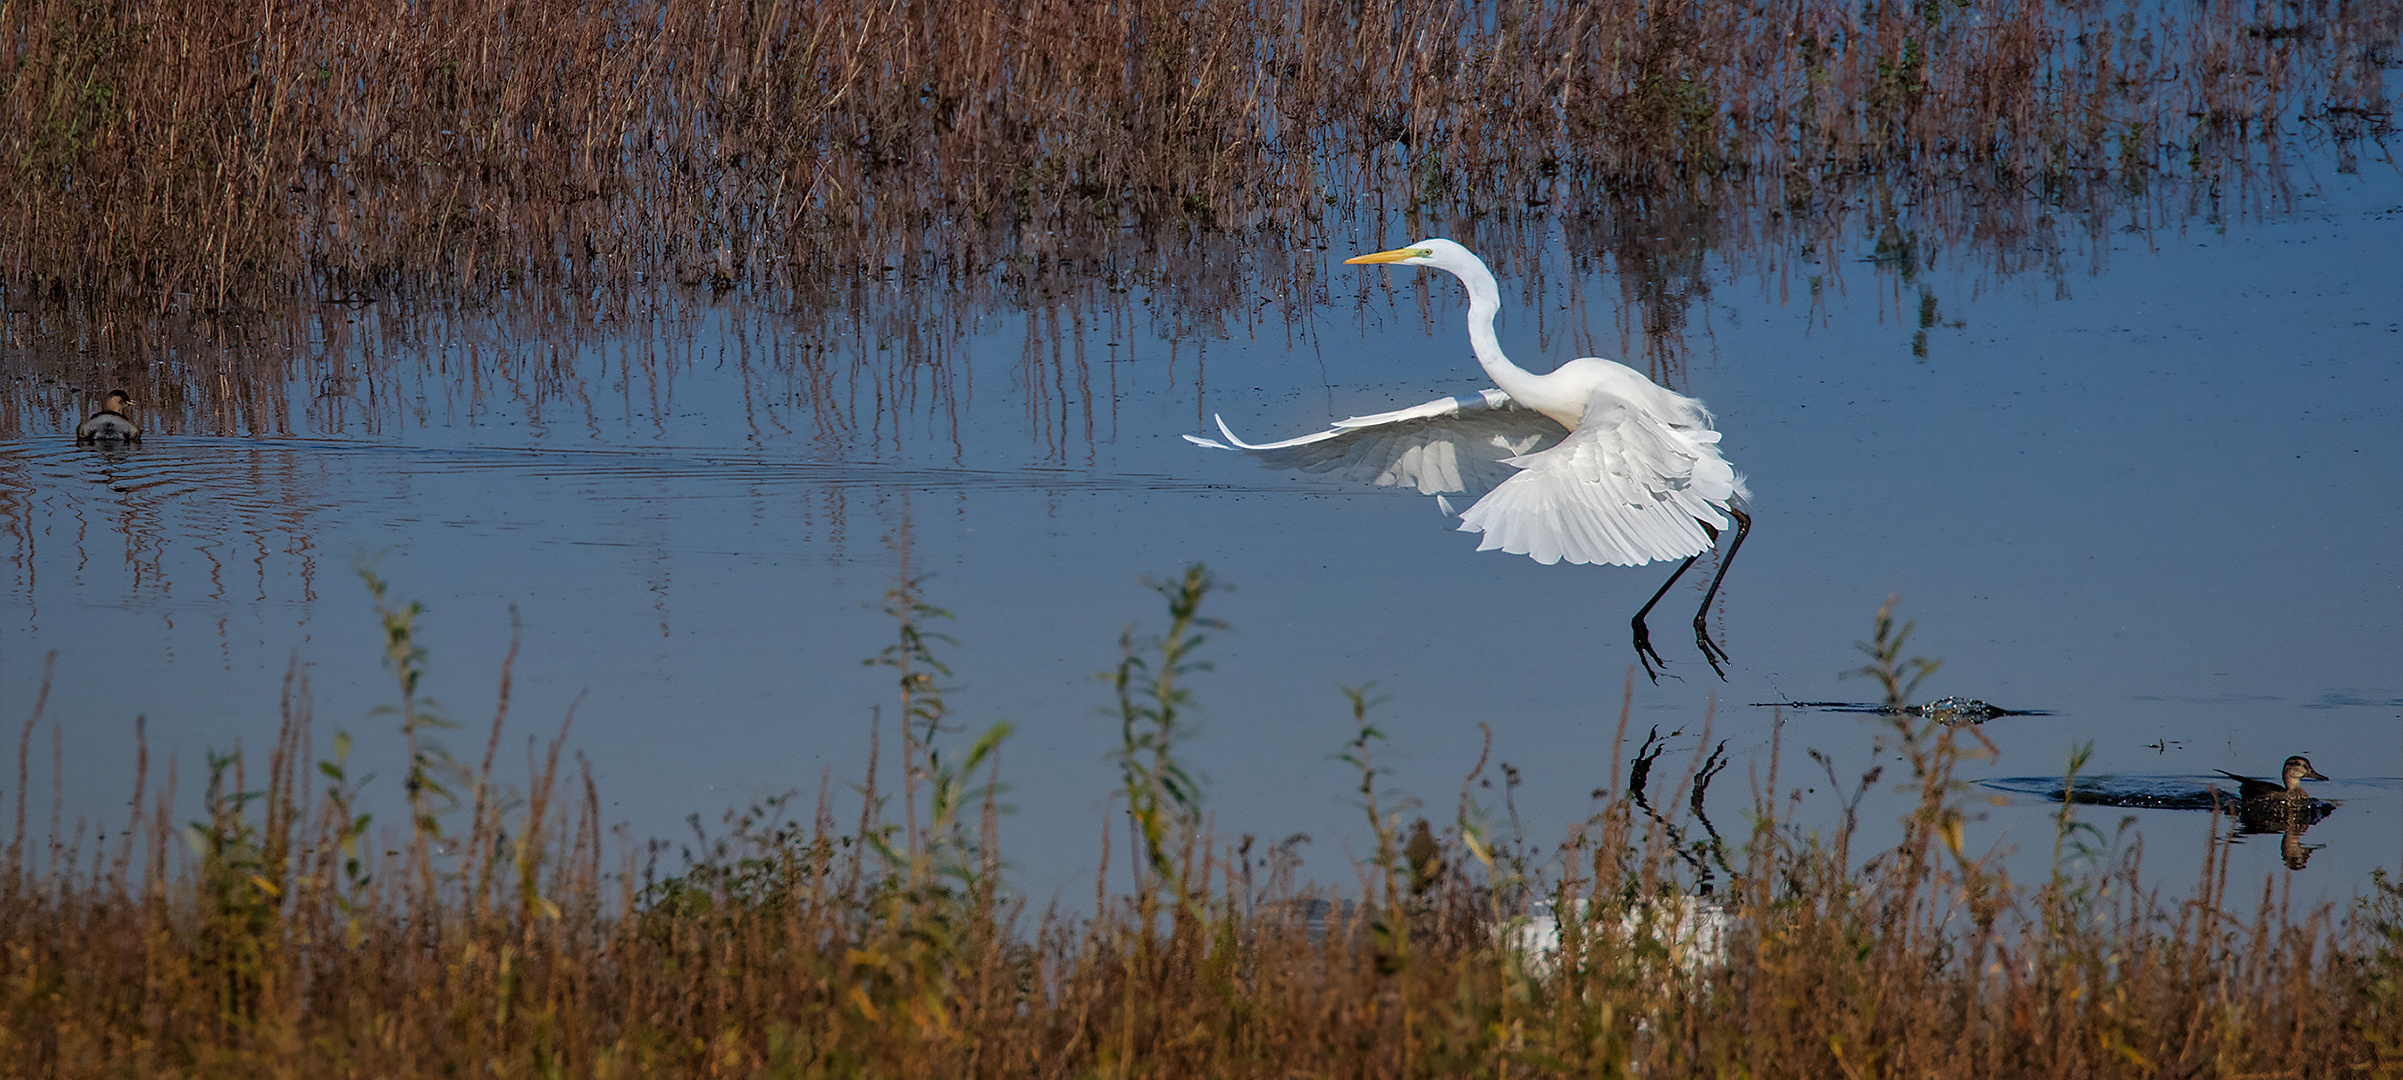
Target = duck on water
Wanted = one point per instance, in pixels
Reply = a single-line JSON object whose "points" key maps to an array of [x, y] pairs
{"points": [[2251, 790], [2259, 805], [110, 424]]}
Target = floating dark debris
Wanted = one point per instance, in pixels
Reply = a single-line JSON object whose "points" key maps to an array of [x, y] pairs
{"points": [[1951, 710]]}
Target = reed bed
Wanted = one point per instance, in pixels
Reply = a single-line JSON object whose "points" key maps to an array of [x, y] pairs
{"points": [[203, 203], [224, 156], [502, 938]]}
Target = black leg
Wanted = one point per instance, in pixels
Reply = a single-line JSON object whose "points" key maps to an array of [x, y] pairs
{"points": [[1644, 653], [1710, 649]]}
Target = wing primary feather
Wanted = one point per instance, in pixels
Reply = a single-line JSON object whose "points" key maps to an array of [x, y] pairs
{"points": [[1304, 440]]}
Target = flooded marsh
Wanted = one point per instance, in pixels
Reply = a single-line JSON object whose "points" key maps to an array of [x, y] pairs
{"points": [[667, 353]]}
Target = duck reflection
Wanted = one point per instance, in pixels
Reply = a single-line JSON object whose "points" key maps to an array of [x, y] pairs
{"points": [[2291, 847]]}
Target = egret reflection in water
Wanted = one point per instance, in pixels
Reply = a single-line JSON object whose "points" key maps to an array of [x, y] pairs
{"points": [[1588, 463]]}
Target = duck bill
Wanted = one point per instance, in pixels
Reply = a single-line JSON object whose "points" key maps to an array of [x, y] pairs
{"points": [[2312, 774], [1394, 256]]}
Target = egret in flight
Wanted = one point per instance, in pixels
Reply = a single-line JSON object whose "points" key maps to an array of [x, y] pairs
{"points": [[1589, 463]]}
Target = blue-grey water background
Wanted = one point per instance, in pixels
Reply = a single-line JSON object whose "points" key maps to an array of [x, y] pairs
{"points": [[2151, 492]]}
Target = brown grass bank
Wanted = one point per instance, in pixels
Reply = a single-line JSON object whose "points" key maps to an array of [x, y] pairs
{"points": [[886, 944], [222, 156]]}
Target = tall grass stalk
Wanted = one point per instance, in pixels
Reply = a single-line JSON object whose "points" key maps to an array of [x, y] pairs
{"points": [[1163, 798]]}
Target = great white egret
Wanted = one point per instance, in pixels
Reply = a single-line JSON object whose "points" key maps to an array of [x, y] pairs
{"points": [[110, 423], [1588, 463]]}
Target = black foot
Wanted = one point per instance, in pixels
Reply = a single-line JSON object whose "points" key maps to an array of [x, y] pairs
{"points": [[1710, 649], [1645, 654]]}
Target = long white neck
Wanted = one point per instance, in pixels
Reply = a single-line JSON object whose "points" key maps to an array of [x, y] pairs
{"points": [[1485, 301]]}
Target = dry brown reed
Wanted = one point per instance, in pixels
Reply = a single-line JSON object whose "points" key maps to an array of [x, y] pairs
{"points": [[267, 939], [204, 203], [225, 156]]}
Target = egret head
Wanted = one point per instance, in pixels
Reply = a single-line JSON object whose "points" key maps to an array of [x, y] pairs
{"points": [[1434, 251]]}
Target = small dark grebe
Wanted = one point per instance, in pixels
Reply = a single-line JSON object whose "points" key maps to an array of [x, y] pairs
{"points": [[110, 423]]}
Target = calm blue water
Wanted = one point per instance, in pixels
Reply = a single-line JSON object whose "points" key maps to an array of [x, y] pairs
{"points": [[2155, 500]]}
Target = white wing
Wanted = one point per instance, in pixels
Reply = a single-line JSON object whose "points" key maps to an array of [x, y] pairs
{"points": [[1626, 487], [1449, 445]]}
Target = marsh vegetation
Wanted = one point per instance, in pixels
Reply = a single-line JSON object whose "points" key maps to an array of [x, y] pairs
{"points": [[195, 185], [341, 219], [869, 930]]}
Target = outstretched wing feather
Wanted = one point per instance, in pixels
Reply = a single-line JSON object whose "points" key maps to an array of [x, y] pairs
{"points": [[1454, 445]]}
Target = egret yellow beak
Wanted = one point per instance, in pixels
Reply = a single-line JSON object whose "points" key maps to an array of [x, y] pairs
{"points": [[1394, 256]]}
